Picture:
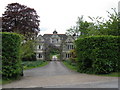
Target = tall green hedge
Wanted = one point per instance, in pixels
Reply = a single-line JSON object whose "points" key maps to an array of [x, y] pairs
{"points": [[98, 54], [11, 62]]}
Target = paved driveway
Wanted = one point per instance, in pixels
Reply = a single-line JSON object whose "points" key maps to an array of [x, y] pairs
{"points": [[56, 75]]}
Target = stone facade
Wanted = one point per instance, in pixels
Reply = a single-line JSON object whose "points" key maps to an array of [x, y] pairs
{"points": [[0, 24], [62, 41]]}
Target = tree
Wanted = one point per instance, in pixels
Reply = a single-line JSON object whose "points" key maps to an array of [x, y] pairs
{"points": [[106, 27], [20, 19], [112, 25], [27, 51], [82, 26], [73, 31], [80, 29], [98, 26]]}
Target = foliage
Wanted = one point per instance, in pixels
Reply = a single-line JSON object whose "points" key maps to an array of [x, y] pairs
{"points": [[69, 65], [73, 56], [20, 19], [24, 20], [73, 31], [97, 26], [51, 50], [113, 74], [11, 62], [80, 28], [107, 27], [32, 57], [112, 25], [58, 56], [27, 51], [33, 64], [98, 54], [54, 52]]}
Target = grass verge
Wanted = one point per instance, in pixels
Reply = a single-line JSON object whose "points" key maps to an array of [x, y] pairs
{"points": [[74, 68], [113, 74], [0, 81], [34, 64], [7, 81]]}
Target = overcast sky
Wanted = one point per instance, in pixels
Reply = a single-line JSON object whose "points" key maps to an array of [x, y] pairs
{"points": [[62, 14]]}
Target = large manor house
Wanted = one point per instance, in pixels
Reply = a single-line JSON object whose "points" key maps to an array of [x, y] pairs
{"points": [[62, 41]]}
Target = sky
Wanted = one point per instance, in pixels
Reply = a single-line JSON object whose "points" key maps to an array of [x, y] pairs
{"points": [[62, 14]]}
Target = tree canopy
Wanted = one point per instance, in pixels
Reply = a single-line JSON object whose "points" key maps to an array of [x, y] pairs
{"points": [[97, 26], [20, 19]]}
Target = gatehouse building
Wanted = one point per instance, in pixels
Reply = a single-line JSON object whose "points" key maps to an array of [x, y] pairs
{"points": [[62, 42]]}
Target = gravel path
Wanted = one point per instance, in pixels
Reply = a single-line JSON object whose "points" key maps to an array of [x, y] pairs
{"points": [[55, 74]]}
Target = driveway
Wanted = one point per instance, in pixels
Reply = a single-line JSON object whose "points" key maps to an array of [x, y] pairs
{"points": [[56, 75]]}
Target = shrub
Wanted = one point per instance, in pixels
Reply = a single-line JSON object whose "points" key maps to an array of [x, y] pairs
{"points": [[30, 58], [11, 62], [27, 50], [98, 54]]}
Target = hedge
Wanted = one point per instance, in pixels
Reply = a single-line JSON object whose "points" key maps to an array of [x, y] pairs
{"points": [[11, 62], [98, 54]]}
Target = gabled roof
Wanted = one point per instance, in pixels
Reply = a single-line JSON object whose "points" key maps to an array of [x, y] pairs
{"points": [[47, 36], [62, 36], [70, 37]]}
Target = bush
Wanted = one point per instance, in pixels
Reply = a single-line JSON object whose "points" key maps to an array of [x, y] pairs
{"points": [[11, 62], [98, 54], [27, 50], [30, 58]]}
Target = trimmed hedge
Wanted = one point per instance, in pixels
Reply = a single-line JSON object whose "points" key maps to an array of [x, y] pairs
{"points": [[11, 62], [98, 54]]}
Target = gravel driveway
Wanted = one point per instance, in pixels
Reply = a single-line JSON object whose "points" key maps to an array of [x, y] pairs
{"points": [[56, 75]]}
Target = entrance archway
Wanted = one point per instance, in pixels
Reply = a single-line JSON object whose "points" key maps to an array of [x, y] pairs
{"points": [[52, 50]]}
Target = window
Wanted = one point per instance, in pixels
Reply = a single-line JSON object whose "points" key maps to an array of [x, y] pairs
{"points": [[40, 56], [39, 47], [52, 41], [57, 39], [72, 47], [68, 47], [68, 55]]}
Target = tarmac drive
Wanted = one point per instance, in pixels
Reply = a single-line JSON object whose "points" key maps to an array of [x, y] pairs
{"points": [[56, 75]]}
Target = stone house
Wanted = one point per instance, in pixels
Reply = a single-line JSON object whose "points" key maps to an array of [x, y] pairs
{"points": [[61, 41]]}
